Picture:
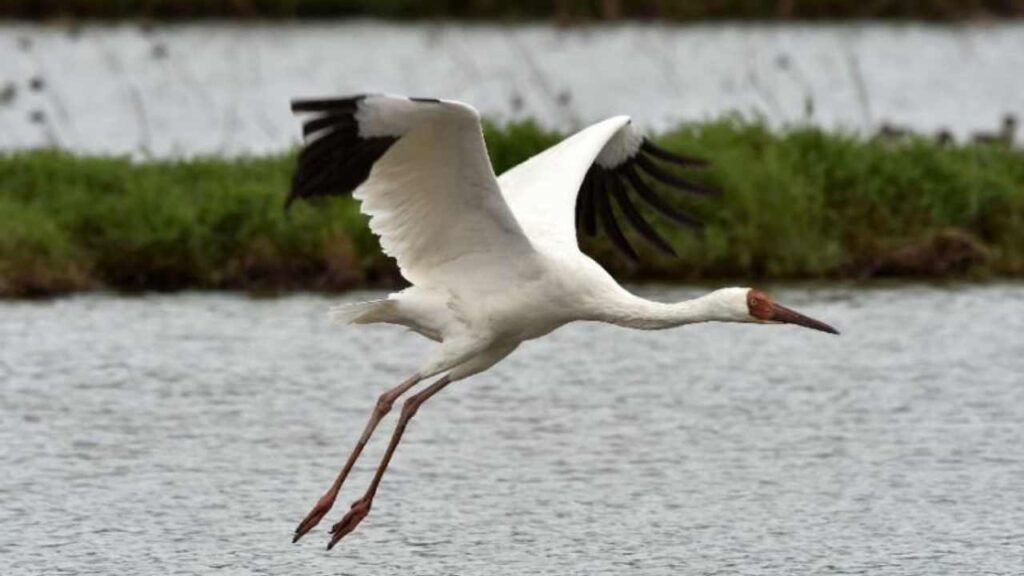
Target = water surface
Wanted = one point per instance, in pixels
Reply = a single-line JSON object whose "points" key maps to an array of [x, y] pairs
{"points": [[225, 89], [187, 434]]}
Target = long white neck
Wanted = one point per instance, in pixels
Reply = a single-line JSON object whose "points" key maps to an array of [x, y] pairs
{"points": [[634, 312]]}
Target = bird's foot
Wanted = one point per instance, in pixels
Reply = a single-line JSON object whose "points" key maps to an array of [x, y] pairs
{"points": [[360, 508], [323, 506]]}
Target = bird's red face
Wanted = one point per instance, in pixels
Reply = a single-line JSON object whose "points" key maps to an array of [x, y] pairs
{"points": [[764, 309]]}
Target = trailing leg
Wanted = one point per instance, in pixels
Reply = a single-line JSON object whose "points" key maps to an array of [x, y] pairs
{"points": [[384, 404], [473, 365], [360, 508]]}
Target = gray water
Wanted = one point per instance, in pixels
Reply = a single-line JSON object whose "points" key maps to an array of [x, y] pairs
{"points": [[188, 434], [224, 89]]}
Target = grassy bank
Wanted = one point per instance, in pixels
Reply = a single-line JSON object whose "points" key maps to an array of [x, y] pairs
{"points": [[805, 204], [565, 10]]}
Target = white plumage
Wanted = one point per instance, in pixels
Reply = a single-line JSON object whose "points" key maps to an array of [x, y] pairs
{"points": [[492, 262], [432, 198], [542, 190]]}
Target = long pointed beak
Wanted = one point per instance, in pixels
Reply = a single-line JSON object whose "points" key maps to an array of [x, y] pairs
{"points": [[788, 316]]}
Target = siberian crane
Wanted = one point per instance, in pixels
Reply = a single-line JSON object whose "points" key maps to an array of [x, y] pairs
{"points": [[493, 261]]}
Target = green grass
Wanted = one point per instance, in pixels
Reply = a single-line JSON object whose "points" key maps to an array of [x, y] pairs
{"points": [[803, 204]]}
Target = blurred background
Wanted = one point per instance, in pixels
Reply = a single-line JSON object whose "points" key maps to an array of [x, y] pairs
{"points": [[173, 399]]}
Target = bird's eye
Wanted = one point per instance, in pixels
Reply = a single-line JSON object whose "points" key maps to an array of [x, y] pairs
{"points": [[753, 301]]}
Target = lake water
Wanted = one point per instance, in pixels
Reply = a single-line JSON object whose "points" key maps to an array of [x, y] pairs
{"points": [[188, 434], [224, 89]]}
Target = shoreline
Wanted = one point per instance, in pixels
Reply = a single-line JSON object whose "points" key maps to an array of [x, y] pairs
{"points": [[804, 204]]}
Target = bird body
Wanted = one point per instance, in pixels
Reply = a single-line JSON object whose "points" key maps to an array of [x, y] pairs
{"points": [[494, 261], [538, 298], [486, 298]]}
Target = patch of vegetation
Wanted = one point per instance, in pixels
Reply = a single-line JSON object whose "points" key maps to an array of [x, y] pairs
{"points": [[564, 10], [801, 204]]}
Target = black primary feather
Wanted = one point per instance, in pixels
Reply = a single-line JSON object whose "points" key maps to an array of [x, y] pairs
{"points": [[604, 210], [655, 201], [345, 174], [327, 104], [662, 154], [585, 204], [636, 218], [335, 159], [331, 143], [327, 121], [661, 175], [600, 185], [323, 154]]}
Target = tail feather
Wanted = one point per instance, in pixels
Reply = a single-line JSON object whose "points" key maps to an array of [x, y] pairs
{"points": [[361, 312]]}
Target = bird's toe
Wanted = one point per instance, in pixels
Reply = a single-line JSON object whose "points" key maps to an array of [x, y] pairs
{"points": [[313, 518], [360, 508]]}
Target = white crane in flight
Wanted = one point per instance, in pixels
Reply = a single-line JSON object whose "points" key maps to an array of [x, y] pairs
{"points": [[493, 261]]}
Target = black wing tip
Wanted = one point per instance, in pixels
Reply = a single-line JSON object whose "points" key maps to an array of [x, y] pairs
{"points": [[681, 159], [654, 201], [607, 217], [601, 184], [604, 186], [327, 120], [342, 170], [649, 167], [335, 159], [344, 103], [635, 218], [586, 203]]}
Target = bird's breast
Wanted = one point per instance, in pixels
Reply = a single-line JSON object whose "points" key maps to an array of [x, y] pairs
{"points": [[532, 311]]}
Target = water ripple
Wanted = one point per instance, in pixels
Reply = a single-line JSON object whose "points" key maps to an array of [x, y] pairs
{"points": [[187, 434]]}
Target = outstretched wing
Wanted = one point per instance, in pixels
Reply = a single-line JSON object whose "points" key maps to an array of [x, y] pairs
{"points": [[577, 184], [421, 171]]}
